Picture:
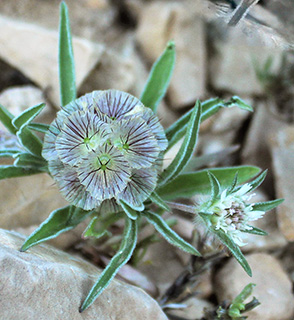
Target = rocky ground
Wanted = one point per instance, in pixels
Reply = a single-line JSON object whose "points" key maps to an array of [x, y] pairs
{"points": [[115, 43]]}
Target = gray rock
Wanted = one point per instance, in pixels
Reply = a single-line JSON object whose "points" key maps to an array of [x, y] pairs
{"points": [[273, 286], [232, 66], [179, 21], [45, 283], [282, 150], [37, 58]]}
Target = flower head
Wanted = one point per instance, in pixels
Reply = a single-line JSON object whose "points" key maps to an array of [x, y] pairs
{"points": [[104, 147], [232, 213]]}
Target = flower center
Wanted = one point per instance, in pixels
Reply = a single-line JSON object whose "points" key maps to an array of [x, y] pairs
{"points": [[235, 214], [103, 161]]}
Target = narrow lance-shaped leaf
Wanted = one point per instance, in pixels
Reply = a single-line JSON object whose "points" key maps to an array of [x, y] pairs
{"points": [[209, 107], [30, 141], [155, 198], [67, 80], [159, 78], [29, 160], [13, 172], [187, 148], [130, 212], [6, 118], [267, 206], [171, 236], [59, 221], [189, 184], [178, 129], [234, 249], [28, 115], [121, 257], [40, 127], [215, 187], [257, 181], [9, 153], [256, 231]]}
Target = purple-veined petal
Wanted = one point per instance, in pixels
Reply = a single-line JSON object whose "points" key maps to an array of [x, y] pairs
{"points": [[136, 141], [109, 206], [116, 104], [104, 173], [156, 128], [139, 188], [70, 187], [49, 150], [82, 133]]}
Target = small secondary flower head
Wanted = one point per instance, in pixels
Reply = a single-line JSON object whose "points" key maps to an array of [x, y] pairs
{"points": [[232, 213], [105, 146], [228, 212]]}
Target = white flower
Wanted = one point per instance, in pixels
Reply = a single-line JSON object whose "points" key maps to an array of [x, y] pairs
{"points": [[231, 213]]}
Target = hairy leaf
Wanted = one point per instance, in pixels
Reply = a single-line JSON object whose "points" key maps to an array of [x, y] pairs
{"points": [[159, 78], [121, 257]]}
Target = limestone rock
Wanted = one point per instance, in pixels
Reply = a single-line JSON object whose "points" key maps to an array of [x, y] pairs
{"points": [[91, 19], [282, 149], [44, 283], [232, 66], [273, 286], [17, 99], [37, 58], [27, 201], [179, 21]]}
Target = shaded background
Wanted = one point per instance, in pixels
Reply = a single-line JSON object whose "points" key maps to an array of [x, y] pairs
{"points": [[115, 43]]}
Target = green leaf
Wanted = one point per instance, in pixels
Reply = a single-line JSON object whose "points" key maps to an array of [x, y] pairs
{"points": [[178, 129], [13, 172], [40, 127], [98, 226], [256, 231], [30, 141], [233, 185], [215, 187], [29, 160], [9, 153], [130, 212], [237, 304], [187, 148], [189, 184], [155, 198], [121, 258], [171, 236], [241, 103], [27, 116], [67, 80], [6, 118], [257, 181], [267, 206], [234, 249], [159, 78], [59, 221]]}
